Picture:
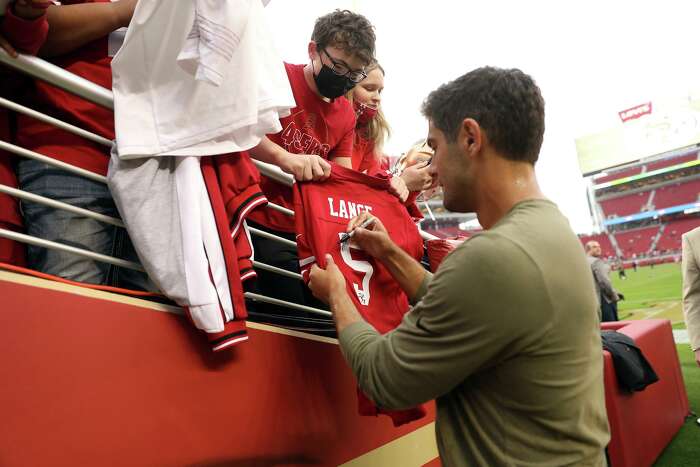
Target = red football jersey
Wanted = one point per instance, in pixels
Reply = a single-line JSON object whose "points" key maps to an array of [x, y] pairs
{"points": [[323, 210], [239, 181], [314, 127]]}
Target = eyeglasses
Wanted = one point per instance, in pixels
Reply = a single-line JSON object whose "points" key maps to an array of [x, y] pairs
{"points": [[342, 69]]}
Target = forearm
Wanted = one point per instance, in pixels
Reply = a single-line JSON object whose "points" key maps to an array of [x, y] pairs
{"points": [[406, 271], [267, 151], [72, 26], [344, 311]]}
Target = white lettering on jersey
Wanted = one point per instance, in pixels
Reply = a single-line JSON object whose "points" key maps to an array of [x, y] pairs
{"points": [[330, 206], [345, 209], [364, 267]]}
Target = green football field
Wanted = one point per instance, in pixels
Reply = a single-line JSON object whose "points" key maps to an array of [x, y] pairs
{"points": [[651, 293]]}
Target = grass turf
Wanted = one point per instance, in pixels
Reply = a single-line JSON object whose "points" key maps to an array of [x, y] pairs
{"points": [[651, 293], [684, 450]]}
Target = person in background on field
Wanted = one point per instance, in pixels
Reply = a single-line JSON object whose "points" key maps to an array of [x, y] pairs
{"points": [[607, 295]]}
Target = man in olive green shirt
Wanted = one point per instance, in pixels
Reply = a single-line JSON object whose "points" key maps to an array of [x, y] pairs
{"points": [[505, 335]]}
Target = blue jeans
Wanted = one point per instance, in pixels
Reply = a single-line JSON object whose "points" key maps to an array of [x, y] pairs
{"points": [[75, 230]]}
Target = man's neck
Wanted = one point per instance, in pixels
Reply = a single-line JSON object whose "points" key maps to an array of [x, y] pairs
{"points": [[311, 82], [503, 184]]}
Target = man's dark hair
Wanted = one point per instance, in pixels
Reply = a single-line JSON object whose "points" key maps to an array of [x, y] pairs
{"points": [[507, 104], [348, 31]]}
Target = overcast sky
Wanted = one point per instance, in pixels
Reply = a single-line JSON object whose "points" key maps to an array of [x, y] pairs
{"points": [[591, 59]]}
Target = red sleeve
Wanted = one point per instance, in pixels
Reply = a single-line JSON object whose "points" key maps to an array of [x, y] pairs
{"points": [[344, 146], [304, 253], [412, 206], [25, 35]]}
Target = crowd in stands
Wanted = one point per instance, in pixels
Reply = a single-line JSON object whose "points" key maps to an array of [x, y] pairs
{"points": [[635, 242], [650, 239]]}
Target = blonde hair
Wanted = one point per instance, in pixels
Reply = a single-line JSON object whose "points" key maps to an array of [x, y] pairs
{"points": [[378, 129]]}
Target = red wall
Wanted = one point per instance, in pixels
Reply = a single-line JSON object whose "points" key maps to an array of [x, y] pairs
{"points": [[93, 382]]}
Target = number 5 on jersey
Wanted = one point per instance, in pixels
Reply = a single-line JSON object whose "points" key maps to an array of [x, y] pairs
{"points": [[360, 266]]}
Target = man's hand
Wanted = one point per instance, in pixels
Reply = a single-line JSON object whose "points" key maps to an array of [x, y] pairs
{"points": [[305, 167], [418, 177], [374, 240], [7, 47], [398, 188], [30, 9], [327, 284], [620, 296]]}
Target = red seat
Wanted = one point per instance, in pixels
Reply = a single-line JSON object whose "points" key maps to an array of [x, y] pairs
{"points": [[643, 423]]}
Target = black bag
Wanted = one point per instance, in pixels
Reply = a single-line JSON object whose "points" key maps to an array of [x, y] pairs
{"points": [[634, 373]]}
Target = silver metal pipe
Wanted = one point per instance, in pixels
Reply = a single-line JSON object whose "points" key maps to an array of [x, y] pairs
{"points": [[50, 161], [281, 209], [277, 270], [274, 172], [262, 233], [69, 249], [59, 205], [274, 301], [55, 122], [59, 77], [427, 236]]}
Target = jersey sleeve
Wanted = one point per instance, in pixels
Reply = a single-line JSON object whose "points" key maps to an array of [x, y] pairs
{"points": [[345, 143], [304, 253]]}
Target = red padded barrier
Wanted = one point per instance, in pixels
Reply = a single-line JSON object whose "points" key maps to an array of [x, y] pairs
{"points": [[643, 423]]}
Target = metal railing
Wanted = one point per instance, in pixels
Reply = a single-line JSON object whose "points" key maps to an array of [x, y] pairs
{"points": [[94, 93]]}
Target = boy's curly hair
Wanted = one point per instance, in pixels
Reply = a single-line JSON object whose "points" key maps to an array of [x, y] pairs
{"points": [[347, 31]]}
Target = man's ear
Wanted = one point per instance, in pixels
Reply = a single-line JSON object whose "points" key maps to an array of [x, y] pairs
{"points": [[470, 137], [313, 50]]}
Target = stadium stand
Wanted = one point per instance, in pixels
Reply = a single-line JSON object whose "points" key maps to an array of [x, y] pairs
{"points": [[653, 236], [618, 175], [636, 241], [677, 194], [671, 239], [625, 205], [670, 162]]}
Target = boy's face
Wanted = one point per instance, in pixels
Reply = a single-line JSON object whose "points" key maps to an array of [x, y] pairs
{"points": [[332, 56]]}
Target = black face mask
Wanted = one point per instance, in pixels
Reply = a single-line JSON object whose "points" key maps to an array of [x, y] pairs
{"points": [[331, 85]]}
